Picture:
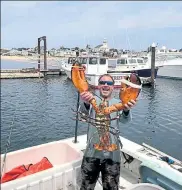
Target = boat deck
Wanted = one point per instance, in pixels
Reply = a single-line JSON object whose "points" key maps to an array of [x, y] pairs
{"points": [[66, 172], [124, 183]]}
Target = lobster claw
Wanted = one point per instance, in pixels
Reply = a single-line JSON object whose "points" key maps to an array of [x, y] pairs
{"points": [[80, 82], [130, 88], [78, 77]]}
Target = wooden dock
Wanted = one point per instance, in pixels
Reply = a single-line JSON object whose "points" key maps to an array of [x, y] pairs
{"points": [[20, 73], [53, 72]]}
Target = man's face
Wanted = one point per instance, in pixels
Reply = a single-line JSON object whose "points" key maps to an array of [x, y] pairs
{"points": [[106, 86]]}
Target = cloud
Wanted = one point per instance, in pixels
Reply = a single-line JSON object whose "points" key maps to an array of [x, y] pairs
{"points": [[18, 4], [77, 23], [11, 11], [153, 18]]}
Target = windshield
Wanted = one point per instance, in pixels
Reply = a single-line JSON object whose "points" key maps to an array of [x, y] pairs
{"points": [[93, 61], [140, 60], [132, 60], [102, 61], [121, 61], [83, 60], [70, 60]]}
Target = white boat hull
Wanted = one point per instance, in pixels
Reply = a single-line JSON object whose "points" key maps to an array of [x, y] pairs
{"points": [[68, 74], [170, 71], [67, 70], [171, 67]]}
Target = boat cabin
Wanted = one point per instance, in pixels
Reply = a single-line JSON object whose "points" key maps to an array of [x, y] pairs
{"points": [[126, 63], [93, 64]]}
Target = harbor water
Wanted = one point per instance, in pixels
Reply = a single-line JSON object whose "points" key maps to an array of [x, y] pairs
{"points": [[9, 64], [39, 110]]}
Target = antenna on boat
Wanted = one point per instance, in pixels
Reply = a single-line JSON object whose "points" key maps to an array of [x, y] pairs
{"points": [[128, 43], [113, 42]]}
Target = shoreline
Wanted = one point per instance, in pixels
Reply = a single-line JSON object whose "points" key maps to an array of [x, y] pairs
{"points": [[14, 58], [27, 59]]}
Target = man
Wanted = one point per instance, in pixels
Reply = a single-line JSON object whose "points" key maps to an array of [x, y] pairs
{"points": [[95, 160]]}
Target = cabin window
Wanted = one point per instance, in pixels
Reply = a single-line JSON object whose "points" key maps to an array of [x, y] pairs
{"points": [[139, 60], [84, 60], [132, 60], [70, 61], [102, 61], [112, 63], [121, 61], [93, 61]]}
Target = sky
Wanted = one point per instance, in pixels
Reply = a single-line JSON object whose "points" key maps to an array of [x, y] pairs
{"points": [[125, 24]]}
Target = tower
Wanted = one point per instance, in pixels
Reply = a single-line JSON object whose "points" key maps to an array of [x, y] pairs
{"points": [[105, 43]]}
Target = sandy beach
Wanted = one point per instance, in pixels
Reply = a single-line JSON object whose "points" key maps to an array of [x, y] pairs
{"points": [[20, 59], [28, 59], [15, 58]]}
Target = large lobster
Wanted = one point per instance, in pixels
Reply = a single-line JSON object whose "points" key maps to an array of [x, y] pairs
{"points": [[130, 89]]}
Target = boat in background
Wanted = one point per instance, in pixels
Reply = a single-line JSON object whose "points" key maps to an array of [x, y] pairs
{"points": [[141, 167], [172, 67], [130, 64], [116, 67], [168, 61]]}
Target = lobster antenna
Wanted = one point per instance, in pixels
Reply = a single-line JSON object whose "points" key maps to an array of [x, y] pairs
{"points": [[97, 95]]}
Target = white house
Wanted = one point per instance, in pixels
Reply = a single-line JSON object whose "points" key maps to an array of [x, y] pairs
{"points": [[103, 47], [53, 52]]}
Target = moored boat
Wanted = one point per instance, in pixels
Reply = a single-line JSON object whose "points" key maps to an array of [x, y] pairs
{"points": [[172, 68], [169, 63], [116, 67]]}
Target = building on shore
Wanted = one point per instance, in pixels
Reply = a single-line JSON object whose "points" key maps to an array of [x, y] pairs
{"points": [[102, 47]]}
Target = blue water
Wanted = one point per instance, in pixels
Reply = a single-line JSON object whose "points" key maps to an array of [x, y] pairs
{"points": [[8, 64], [41, 110]]}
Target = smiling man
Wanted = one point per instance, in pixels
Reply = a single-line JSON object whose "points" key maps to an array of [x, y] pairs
{"points": [[106, 86], [98, 158]]}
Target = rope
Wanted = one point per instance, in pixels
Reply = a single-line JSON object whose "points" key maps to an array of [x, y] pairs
{"points": [[8, 142], [96, 95]]}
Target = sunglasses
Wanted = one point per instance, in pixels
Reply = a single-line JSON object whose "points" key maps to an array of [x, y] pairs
{"points": [[109, 83]]}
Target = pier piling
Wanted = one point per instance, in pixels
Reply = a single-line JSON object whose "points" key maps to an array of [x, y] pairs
{"points": [[45, 53], [38, 54], [153, 64]]}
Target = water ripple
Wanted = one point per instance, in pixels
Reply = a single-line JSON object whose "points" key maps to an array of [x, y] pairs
{"points": [[42, 110]]}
